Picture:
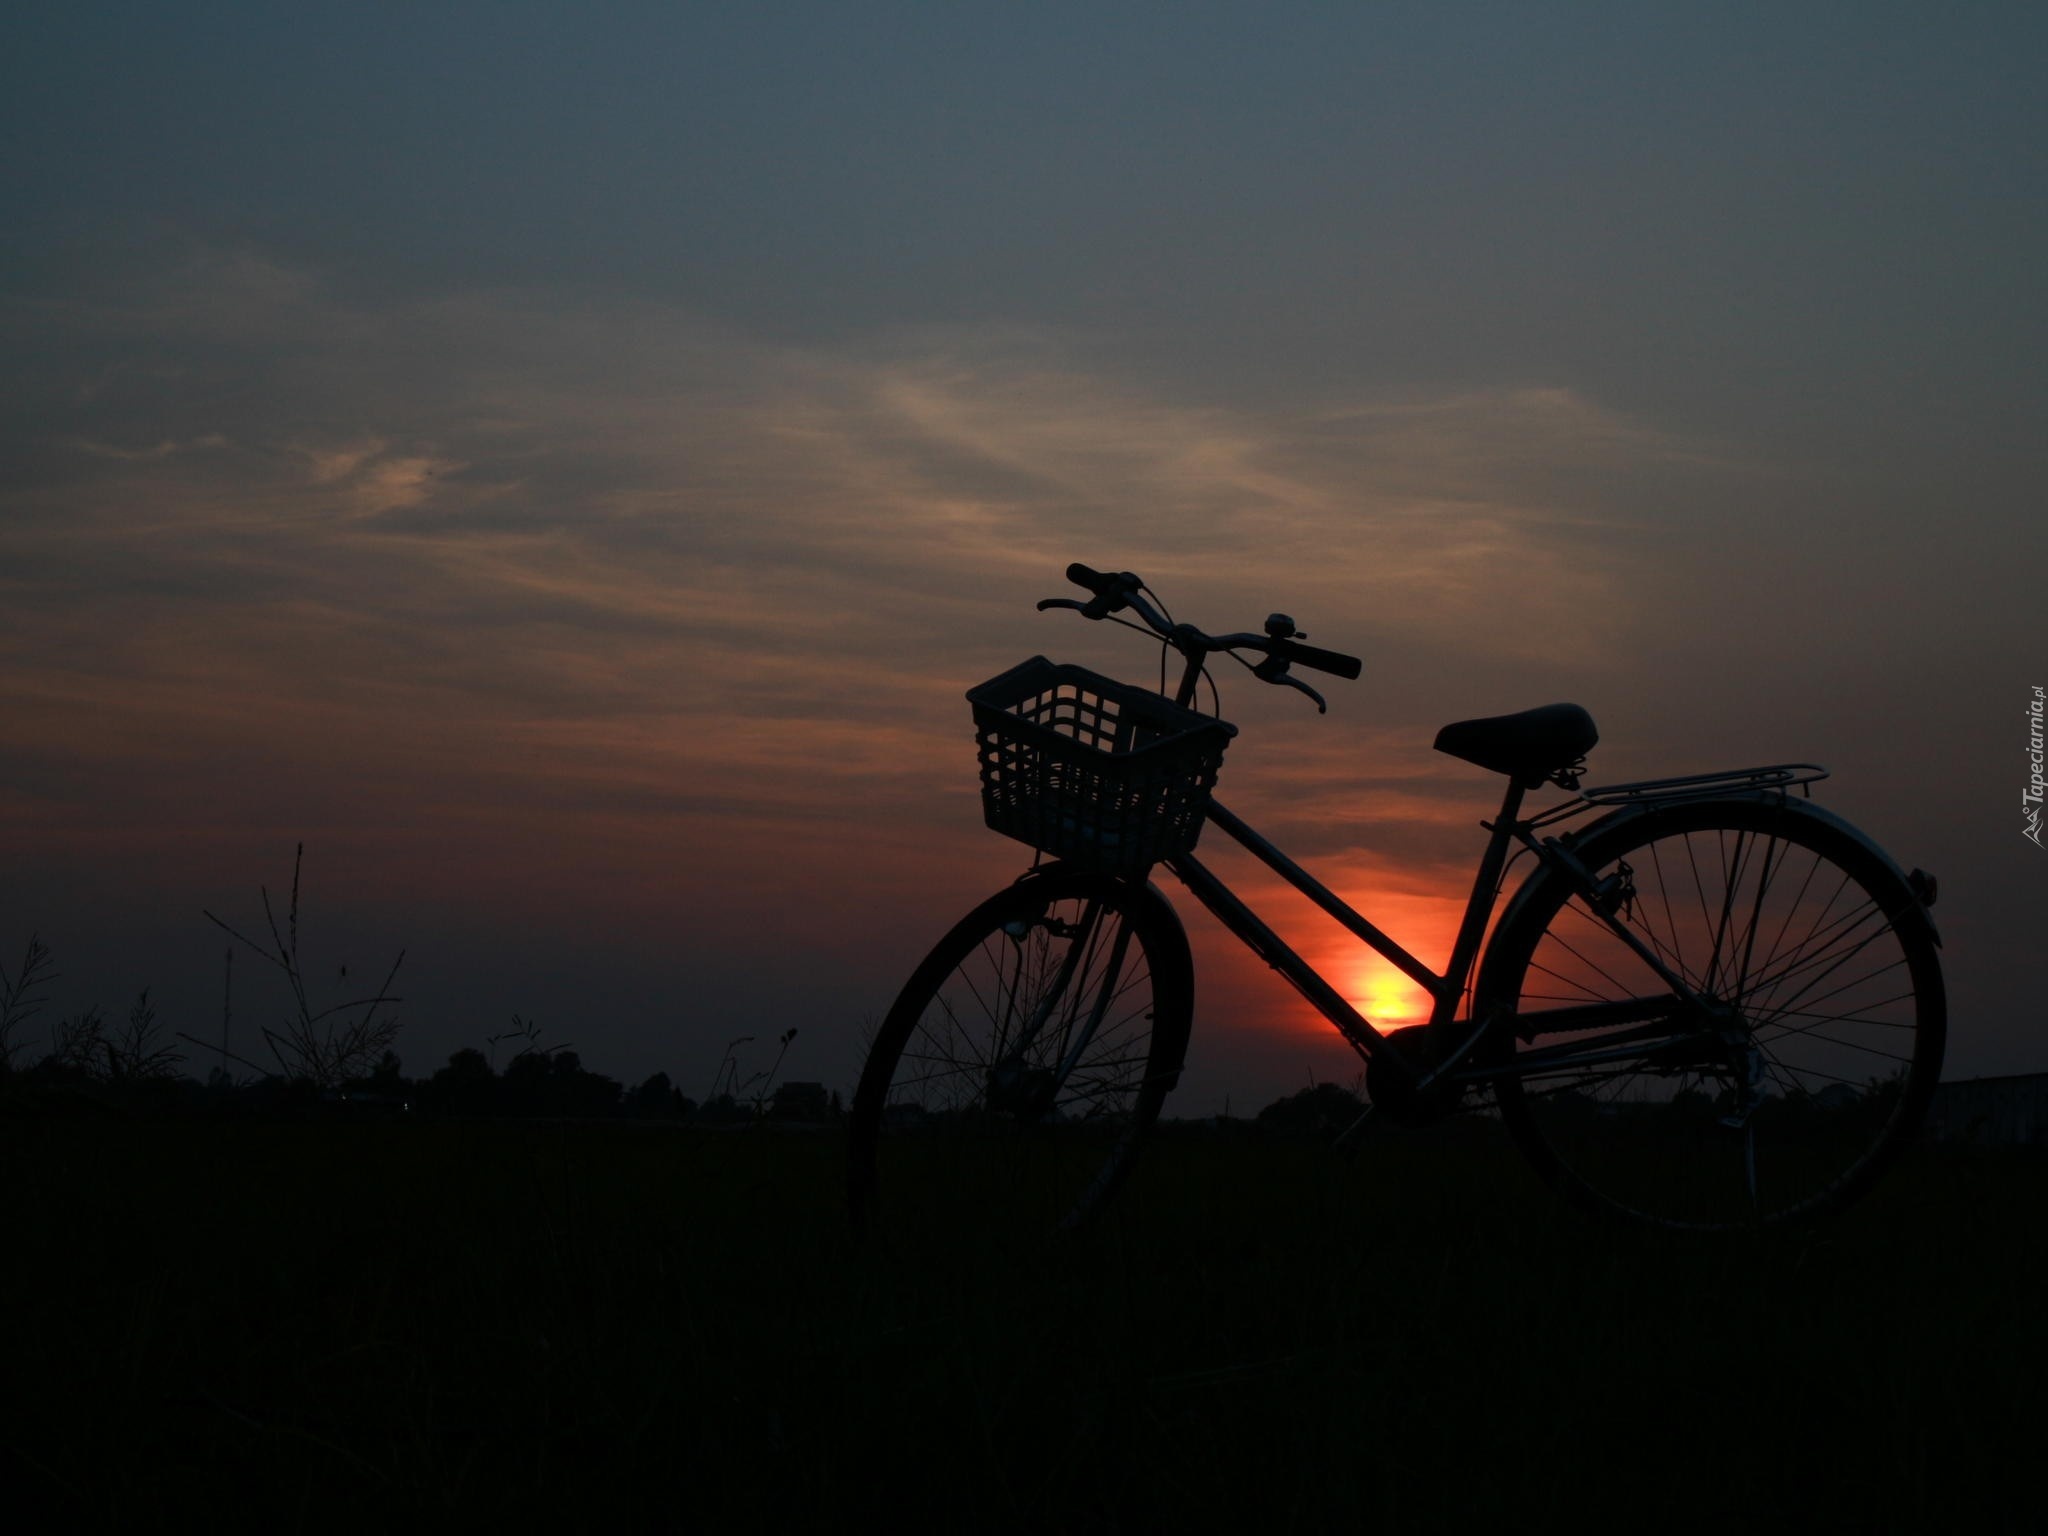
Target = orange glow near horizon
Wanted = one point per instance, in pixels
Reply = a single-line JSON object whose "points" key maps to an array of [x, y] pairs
{"points": [[1424, 921], [1387, 997]]}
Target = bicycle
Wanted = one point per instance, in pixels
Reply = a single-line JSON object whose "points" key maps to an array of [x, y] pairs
{"points": [[1713, 1006]]}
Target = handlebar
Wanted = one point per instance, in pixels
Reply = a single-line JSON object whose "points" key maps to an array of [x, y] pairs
{"points": [[1118, 591], [1336, 663], [1114, 591]]}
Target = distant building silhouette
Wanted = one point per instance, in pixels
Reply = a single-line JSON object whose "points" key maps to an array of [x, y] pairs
{"points": [[1992, 1111], [800, 1101]]}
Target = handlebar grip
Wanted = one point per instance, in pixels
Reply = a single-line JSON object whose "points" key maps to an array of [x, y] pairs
{"points": [[1085, 576], [1333, 662]]}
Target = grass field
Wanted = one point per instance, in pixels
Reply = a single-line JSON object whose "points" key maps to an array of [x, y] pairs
{"points": [[617, 1327]]}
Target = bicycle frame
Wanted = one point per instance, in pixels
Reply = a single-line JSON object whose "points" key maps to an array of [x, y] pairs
{"points": [[1700, 1036], [1446, 989], [1678, 1015]]}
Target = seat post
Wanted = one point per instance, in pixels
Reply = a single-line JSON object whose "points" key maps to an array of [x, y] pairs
{"points": [[1511, 802], [1479, 907]]}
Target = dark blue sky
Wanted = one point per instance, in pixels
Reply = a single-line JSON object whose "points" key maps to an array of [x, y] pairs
{"points": [[1604, 195]]}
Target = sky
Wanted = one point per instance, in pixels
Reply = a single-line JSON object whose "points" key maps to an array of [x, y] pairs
{"points": [[564, 465]]}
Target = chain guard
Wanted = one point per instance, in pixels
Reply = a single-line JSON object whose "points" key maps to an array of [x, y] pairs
{"points": [[1398, 1099]]}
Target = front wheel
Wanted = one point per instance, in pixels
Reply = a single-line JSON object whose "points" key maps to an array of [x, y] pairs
{"points": [[1011, 1083], [1809, 1062]]}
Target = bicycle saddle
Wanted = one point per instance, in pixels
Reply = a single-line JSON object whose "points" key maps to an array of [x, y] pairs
{"points": [[1531, 745]]}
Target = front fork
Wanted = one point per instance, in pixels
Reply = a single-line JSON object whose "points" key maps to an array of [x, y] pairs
{"points": [[1030, 1092]]}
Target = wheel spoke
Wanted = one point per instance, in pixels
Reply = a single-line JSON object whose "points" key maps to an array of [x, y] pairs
{"points": [[1821, 1014], [969, 1107]]}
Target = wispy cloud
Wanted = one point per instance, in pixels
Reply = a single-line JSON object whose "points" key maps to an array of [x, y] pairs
{"points": [[162, 449], [643, 558]]}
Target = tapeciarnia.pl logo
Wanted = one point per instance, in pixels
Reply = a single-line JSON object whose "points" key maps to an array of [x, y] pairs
{"points": [[2030, 800]]}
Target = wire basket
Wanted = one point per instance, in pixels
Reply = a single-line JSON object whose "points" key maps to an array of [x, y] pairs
{"points": [[1091, 770]]}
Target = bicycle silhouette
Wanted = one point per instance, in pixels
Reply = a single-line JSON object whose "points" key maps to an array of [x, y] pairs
{"points": [[1713, 1006]]}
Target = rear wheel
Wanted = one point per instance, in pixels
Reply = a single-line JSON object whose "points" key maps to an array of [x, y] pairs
{"points": [[1011, 1083], [1811, 1064]]}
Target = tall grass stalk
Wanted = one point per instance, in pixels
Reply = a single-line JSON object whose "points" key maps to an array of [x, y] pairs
{"points": [[19, 998], [333, 1045]]}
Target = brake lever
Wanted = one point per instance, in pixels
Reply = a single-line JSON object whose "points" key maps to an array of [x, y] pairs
{"points": [[1274, 670], [1100, 606], [1295, 682]]}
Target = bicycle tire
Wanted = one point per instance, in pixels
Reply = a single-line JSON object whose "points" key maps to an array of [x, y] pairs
{"points": [[1844, 1010], [963, 1120]]}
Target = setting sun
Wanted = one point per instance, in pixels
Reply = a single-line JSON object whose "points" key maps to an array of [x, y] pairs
{"points": [[1387, 998]]}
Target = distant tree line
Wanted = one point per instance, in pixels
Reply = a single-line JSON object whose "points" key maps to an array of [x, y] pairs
{"points": [[338, 1060], [1320, 1111], [95, 1063], [553, 1084]]}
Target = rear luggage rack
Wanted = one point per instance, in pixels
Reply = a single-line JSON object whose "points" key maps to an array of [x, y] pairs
{"points": [[1699, 786]]}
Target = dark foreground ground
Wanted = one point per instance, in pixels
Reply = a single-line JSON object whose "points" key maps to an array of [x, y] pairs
{"points": [[607, 1327]]}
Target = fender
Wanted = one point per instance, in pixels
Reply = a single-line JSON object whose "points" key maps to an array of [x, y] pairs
{"points": [[1587, 841]]}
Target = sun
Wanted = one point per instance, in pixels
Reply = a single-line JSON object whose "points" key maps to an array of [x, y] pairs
{"points": [[1387, 997]]}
